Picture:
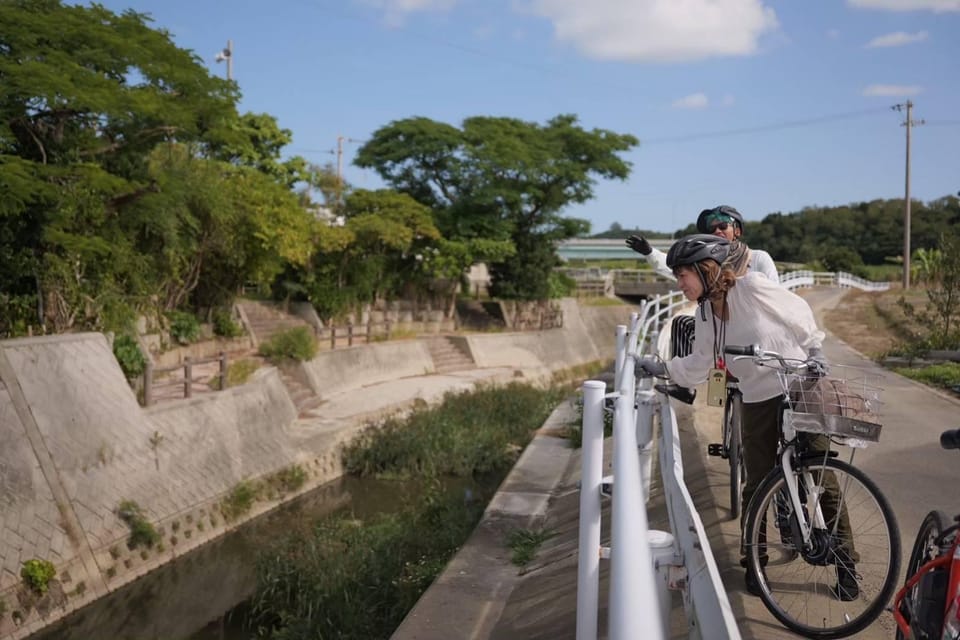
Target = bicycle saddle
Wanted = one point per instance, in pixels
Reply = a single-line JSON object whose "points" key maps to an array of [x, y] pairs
{"points": [[683, 394]]}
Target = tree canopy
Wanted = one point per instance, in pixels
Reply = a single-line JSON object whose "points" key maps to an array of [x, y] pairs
{"points": [[500, 179]]}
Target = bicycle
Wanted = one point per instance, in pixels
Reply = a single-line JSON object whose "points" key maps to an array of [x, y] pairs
{"points": [[834, 565], [928, 604], [729, 448]]}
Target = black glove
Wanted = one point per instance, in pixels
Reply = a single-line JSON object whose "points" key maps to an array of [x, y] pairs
{"points": [[639, 244], [652, 366], [817, 364]]}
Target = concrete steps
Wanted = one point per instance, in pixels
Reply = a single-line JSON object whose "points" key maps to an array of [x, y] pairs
{"points": [[449, 354], [266, 319], [300, 392]]}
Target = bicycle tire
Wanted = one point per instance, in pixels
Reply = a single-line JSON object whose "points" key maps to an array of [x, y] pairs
{"points": [[924, 550], [732, 424], [799, 591]]}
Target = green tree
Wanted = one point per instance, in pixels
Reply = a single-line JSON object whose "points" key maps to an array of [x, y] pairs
{"points": [[941, 316], [500, 179], [85, 94]]}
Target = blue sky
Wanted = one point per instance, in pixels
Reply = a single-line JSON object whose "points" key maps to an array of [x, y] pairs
{"points": [[768, 105]]}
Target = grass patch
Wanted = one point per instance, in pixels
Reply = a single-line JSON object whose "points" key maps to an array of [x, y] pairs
{"points": [[471, 432], [238, 373], [295, 344], [946, 375], [525, 543], [601, 301], [240, 499], [37, 574], [142, 532]]}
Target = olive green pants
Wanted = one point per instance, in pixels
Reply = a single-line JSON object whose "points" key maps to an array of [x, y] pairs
{"points": [[759, 441]]}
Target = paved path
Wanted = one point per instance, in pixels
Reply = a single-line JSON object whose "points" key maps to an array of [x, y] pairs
{"points": [[487, 597]]}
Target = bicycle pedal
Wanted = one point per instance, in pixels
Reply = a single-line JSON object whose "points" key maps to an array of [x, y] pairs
{"points": [[715, 449]]}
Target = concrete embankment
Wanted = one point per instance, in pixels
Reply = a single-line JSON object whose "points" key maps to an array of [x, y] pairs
{"points": [[77, 444]]}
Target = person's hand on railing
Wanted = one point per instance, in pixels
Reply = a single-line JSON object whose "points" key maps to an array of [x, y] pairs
{"points": [[652, 366], [640, 245]]}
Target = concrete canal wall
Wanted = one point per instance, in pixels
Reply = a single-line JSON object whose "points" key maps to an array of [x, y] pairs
{"points": [[77, 444]]}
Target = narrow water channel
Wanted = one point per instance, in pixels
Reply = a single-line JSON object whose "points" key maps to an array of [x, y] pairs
{"points": [[202, 595]]}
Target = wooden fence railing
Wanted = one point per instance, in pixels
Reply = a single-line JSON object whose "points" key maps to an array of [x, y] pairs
{"points": [[150, 383]]}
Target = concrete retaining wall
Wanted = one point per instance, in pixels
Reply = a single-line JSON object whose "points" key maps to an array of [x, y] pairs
{"points": [[344, 369], [76, 444]]}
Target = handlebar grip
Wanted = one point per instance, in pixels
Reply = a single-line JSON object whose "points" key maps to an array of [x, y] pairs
{"points": [[950, 439], [748, 350]]}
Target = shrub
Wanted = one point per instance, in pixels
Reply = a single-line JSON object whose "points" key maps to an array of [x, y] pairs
{"points": [[142, 532], [184, 327], [129, 357], [224, 324], [240, 499], [37, 574], [296, 344]]}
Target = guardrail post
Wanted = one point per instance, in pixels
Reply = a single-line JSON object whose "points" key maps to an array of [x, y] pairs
{"points": [[147, 384], [333, 337], [621, 354], [387, 325], [662, 554], [187, 377], [223, 370], [588, 563], [349, 334], [644, 428]]}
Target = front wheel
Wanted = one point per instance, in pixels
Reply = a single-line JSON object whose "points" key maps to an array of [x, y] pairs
{"points": [[925, 548], [733, 413], [841, 583]]}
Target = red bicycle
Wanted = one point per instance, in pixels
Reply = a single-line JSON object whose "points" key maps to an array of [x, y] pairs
{"points": [[928, 604]]}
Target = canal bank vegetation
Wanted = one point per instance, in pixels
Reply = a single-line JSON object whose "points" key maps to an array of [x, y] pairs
{"points": [[351, 579]]}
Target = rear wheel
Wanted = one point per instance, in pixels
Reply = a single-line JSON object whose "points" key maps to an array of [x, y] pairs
{"points": [[925, 548], [808, 588]]}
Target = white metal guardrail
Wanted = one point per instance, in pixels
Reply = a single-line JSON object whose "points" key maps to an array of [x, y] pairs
{"points": [[644, 565], [803, 278]]}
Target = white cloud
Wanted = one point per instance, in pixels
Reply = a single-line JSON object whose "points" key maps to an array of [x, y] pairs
{"points": [[897, 39], [892, 90], [659, 30], [937, 6], [395, 11], [692, 101]]}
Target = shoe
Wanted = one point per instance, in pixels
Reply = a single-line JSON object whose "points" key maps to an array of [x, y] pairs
{"points": [[683, 394], [752, 584], [848, 587]]}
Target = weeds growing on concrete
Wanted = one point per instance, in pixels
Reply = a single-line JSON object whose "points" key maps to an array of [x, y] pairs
{"points": [[240, 499], [525, 543], [294, 344], [142, 532], [37, 574]]}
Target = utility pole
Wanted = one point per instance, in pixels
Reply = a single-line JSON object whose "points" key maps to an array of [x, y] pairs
{"points": [[340, 141], [227, 55], [909, 124]]}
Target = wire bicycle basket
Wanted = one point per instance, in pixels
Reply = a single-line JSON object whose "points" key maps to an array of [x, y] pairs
{"points": [[844, 405]]}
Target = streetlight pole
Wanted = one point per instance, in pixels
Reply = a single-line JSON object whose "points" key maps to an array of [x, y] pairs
{"points": [[227, 54]]}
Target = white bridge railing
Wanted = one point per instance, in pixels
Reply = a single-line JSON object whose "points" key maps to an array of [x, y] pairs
{"points": [[645, 565]]}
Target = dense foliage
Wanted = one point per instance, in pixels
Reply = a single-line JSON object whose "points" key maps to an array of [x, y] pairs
{"points": [[501, 179]]}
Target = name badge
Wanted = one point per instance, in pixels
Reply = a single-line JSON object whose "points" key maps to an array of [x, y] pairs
{"points": [[716, 387]]}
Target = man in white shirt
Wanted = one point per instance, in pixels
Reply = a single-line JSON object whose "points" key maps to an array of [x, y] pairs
{"points": [[723, 221]]}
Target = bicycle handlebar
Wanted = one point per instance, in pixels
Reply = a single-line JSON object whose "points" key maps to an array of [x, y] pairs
{"points": [[748, 350], [950, 439]]}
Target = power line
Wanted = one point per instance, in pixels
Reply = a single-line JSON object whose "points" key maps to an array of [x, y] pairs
{"points": [[776, 126]]}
